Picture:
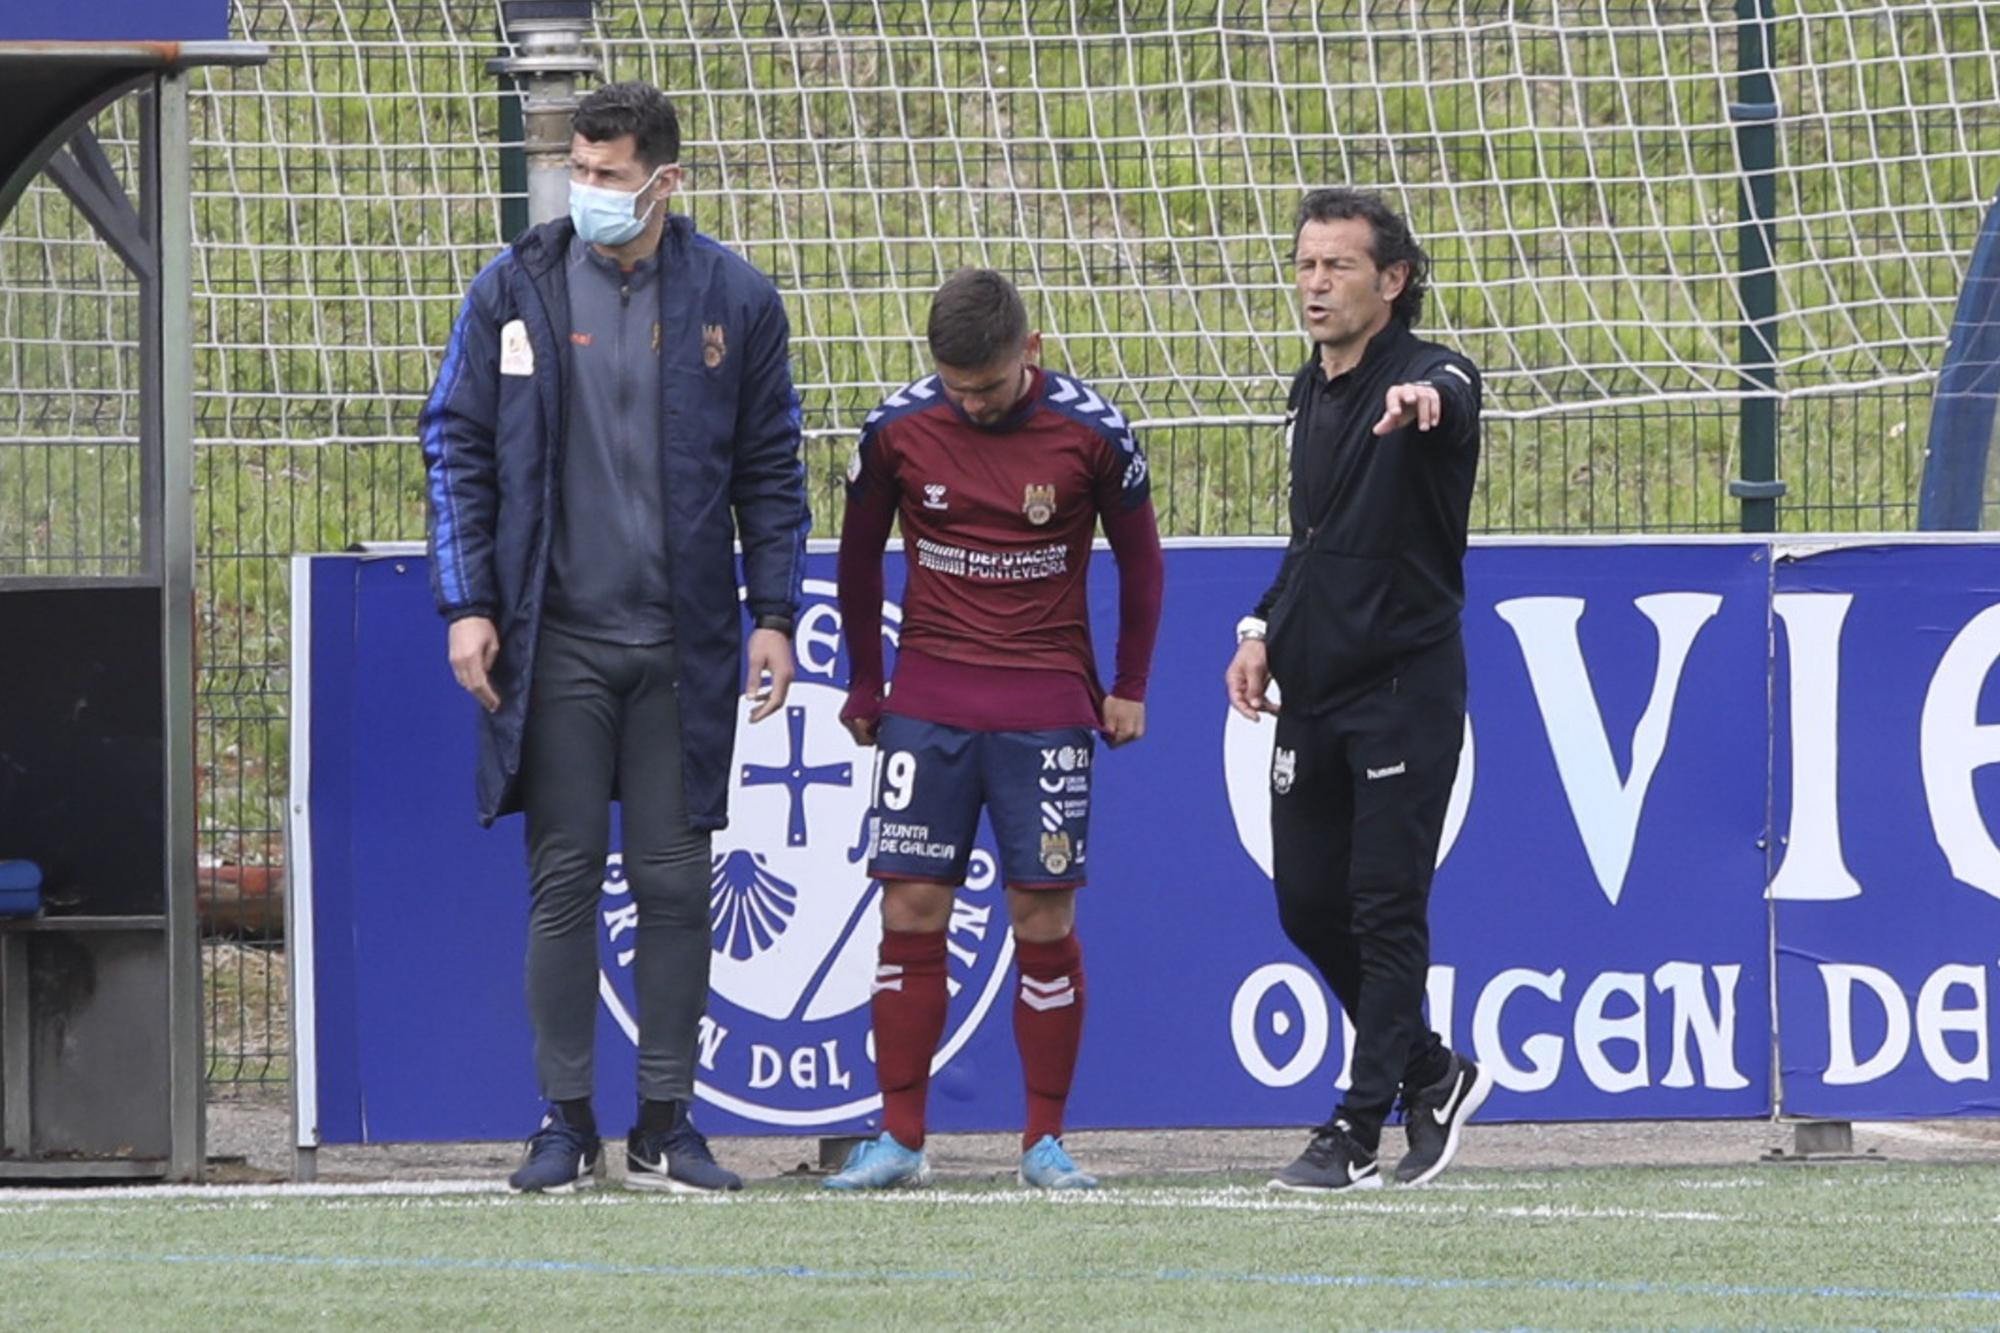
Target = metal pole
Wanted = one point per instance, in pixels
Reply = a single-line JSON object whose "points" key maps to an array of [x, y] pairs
{"points": [[546, 37], [513, 162], [1755, 116], [173, 343]]}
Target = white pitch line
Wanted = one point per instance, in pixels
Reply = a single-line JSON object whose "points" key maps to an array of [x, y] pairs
{"points": [[232, 1192], [445, 1195]]}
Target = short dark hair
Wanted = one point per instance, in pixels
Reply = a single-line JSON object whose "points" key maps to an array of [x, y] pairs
{"points": [[1392, 241], [977, 317], [637, 109]]}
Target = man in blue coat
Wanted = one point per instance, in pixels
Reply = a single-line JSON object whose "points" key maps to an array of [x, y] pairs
{"points": [[613, 413]]}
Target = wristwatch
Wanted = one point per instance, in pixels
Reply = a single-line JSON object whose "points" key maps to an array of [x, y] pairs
{"points": [[782, 624], [1250, 627]]}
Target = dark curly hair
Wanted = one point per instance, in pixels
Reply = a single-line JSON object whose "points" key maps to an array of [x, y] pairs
{"points": [[1392, 243], [637, 109]]}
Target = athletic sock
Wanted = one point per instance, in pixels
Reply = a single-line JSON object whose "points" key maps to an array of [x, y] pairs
{"points": [[657, 1117], [1048, 1028], [908, 1009], [578, 1116]]}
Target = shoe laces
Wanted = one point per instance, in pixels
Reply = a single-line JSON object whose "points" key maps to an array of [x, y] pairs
{"points": [[1332, 1143], [1052, 1152], [558, 1133], [684, 1140]]}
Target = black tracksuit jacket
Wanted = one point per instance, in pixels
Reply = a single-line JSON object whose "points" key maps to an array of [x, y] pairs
{"points": [[1375, 570]]}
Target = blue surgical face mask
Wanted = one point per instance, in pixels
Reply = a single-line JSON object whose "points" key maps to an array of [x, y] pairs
{"points": [[609, 217]]}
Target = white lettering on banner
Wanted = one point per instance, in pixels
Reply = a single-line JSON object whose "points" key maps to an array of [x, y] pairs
{"points": [[1845, 1067], [1814, 868], [802, 1069], [1934, 1020], [1439, 989], [817, 642], [1955, 745], [1841, 1065], [708, 1039], [1713, 1030], [618, 920], [1243, 1024], [1594, 1028], [1544, 1052], [1606, 809], [1345, 1078], [765, 1067]]}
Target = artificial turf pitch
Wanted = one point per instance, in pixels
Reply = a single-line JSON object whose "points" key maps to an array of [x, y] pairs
{"points": [[1875, 1246]]}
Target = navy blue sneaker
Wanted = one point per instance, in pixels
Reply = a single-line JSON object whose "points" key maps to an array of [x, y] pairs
{"points": [[677, 1160], [560, 1159]]}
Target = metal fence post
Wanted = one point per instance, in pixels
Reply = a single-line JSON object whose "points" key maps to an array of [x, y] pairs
{"points": [[513, 161], [545, 40], [1755, 116]]}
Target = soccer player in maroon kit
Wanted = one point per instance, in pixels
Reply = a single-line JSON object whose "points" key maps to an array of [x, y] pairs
{"points": [[1000, 472]]}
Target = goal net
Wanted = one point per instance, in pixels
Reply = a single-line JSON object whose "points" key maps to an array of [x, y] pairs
{"points": [[1572, 167]]}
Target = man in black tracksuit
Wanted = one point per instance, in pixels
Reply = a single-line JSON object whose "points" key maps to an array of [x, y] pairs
{"points": [[1360, 630]]}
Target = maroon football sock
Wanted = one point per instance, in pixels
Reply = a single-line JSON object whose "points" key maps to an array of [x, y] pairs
{"points": [[909, 1011], [1048, 1028]]}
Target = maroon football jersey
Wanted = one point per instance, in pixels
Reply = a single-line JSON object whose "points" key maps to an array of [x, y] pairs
{"points": [[998, 520]]}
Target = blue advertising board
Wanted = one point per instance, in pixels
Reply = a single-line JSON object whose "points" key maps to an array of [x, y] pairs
{"points": [[1887, 899], [115, 21], [1602, 929]]}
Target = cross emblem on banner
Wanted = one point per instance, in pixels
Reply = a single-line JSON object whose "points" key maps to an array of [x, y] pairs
{"points": [[798, 776]]}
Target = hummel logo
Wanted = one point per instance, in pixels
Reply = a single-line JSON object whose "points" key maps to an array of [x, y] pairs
{"points": [[934, 495], [1393, 770]]}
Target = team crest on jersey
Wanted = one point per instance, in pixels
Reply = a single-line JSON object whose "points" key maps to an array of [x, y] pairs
{"points": [[1039, 504], [1284, 769], [1055, 852], [714, 345], [795, 917]]}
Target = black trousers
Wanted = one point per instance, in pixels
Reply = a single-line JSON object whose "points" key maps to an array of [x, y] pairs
{"points": [[604, 713], [1358, 797]]}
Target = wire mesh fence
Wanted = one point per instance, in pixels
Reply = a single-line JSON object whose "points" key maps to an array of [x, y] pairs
{"points": [[1571, 164]]}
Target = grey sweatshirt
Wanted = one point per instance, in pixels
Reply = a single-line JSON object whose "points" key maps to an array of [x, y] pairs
{"points": [[608, 574]]}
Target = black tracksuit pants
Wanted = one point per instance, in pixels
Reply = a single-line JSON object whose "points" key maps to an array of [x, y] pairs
{"points": [[1358, 797], [604, 714]]}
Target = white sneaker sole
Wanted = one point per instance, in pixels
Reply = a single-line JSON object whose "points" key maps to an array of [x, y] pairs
{"points": [[654, 1182], [1482, 1086], [1367, 1182]]}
